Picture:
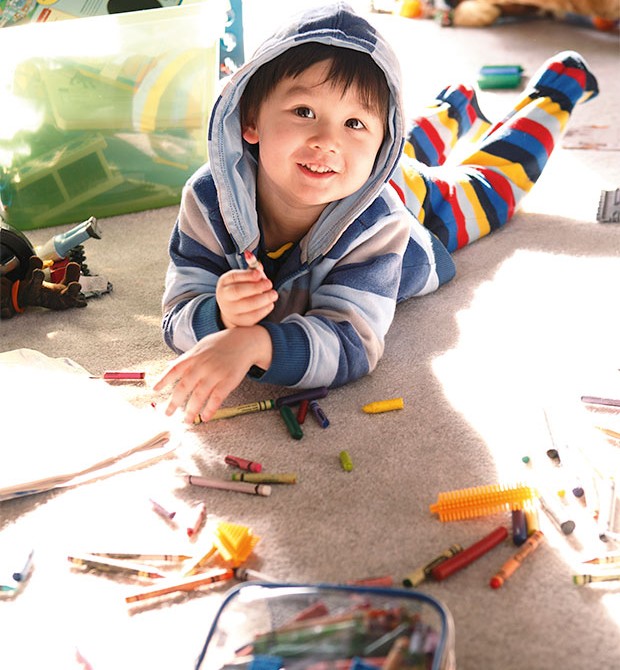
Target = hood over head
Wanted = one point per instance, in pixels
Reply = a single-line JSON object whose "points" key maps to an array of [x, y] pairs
{"points": [[234, 167]]}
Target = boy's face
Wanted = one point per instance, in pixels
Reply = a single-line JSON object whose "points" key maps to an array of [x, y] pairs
{"points": [[317, 144]]}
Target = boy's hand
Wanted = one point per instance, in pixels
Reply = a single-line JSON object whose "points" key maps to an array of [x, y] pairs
{"points": [[207, 373], [244, 297]]}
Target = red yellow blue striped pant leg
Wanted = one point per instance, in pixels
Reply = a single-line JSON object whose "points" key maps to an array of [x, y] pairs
{"points": [[461, 203]]}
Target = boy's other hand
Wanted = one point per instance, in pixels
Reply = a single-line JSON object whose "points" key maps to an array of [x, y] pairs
{"points": [[244, 297], [206, 374]]}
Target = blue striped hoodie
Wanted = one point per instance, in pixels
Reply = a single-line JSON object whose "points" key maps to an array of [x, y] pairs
{"points": [[339, 286]]}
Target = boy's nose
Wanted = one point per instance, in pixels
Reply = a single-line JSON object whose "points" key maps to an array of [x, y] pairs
{"points": [[324, 138]]}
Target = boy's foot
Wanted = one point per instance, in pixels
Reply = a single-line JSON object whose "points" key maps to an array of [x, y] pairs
{"points": [[566, 79]]}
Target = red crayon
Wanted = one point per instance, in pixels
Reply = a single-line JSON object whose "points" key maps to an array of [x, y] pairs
{"points": [[121, 375], [470, 554], [302, 411], [243, 464]]}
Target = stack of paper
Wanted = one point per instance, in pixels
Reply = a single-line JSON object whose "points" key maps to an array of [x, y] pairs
{"points": [[60, 428]]}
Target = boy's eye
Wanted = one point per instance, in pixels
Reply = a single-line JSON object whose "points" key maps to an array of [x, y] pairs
{"points": [[304, 112], [356, 124]]}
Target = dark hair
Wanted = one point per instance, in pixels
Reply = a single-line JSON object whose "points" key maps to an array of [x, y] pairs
{"points": [[348, 67]]}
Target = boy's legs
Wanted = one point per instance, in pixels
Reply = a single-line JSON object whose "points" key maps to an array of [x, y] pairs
{"points": [[462, 203]]}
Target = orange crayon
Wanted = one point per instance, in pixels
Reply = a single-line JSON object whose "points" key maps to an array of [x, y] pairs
{"points": [[533, 541]]}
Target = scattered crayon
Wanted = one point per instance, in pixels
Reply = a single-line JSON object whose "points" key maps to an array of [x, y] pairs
{"points": [[580, 580], [306, 394], [192, 531], [519, 527], [265, 478], [185, 584], [509, 567], [345, 461], [23, 574], [240, 487], [383, 406], [469, 555], [238, 410], [594, 400], [166, 558], [386, 581], [416, 577], [243, 463], [531, 519], [120, 375], [92, 562], [291, 423], [611, 557], [161, 510], [319, 414], [302, 411], [566, 526]]}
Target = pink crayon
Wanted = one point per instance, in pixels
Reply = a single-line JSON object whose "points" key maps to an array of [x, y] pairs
{"points": [[192, 531], [243, 464]]}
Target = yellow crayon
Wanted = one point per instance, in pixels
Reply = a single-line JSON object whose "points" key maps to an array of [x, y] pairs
{"points": [[345, 461], [383, 406], [238, 410]]}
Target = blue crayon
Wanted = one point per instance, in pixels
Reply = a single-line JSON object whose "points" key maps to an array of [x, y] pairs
{"points": [[319, 414], [24, 573], [307, 394], [519, 527]]}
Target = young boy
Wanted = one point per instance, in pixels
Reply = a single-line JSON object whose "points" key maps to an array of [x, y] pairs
{"points": [[307, 172]]}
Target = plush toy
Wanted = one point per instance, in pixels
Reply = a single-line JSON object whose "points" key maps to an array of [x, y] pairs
{"points": [[600, 14], [34, 291]]}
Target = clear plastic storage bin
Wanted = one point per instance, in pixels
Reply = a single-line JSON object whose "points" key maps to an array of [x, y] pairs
{"points": [[105, 115], [328, 627]]}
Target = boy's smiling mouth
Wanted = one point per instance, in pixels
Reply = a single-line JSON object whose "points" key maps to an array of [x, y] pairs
{"points": [[316, 169]]}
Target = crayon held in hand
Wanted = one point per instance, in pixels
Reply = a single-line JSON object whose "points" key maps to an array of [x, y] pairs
{"points": [[251, 260]]}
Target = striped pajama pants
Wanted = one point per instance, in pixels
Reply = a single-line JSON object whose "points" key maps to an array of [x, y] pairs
{"points": [[462, 202]]}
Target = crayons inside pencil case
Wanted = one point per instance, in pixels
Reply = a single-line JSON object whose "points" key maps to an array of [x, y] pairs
{"points": [[481, 501], [316, 625]]}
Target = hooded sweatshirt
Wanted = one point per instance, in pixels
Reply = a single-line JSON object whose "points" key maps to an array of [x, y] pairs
{"points": [[339, 285]]}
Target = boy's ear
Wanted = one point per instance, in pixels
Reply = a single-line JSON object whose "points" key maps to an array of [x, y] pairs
{"points": [[250, 134]]}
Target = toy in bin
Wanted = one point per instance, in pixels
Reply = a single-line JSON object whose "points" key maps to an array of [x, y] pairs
{"points": [[266, 626]]}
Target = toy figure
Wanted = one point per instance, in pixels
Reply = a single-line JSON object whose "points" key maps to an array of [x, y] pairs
{"points": [[34, 291], [23, 280]]}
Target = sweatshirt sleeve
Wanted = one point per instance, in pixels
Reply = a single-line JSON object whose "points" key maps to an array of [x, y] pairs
{"points": [[198, 256]]}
